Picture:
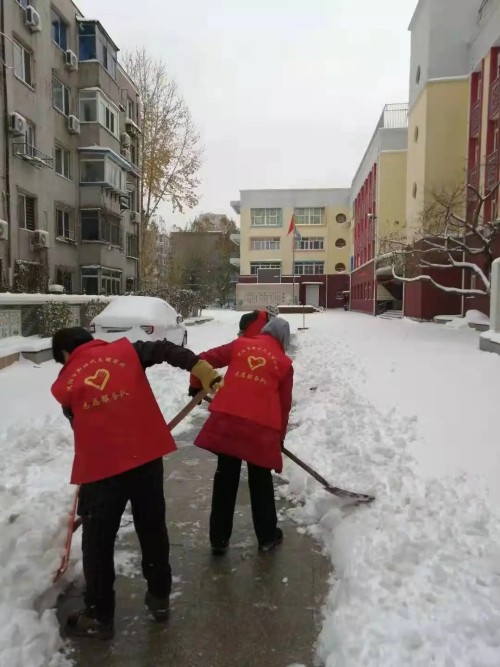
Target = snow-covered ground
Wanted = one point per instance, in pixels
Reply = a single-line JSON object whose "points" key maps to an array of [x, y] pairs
{"points": [[405, 410]]}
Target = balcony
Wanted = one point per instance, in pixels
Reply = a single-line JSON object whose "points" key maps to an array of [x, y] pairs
{"points": [[32, 155], [494, 101], [491, 170], [473, 179], [475, 120], [236, 206]]}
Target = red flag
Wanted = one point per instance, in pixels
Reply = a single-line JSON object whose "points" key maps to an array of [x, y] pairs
{"points": [[292, 226]]}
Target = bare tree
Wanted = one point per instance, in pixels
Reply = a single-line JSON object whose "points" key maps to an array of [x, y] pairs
{"points": [[170, 144], [450, 239]]}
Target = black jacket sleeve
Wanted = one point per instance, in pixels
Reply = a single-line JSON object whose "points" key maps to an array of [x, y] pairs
{"points": [[163, 351], [247, 319]]}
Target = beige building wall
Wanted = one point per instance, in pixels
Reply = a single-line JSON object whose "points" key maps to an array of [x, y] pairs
{"points": [[330, 231], [437, 146], [391, 220]]}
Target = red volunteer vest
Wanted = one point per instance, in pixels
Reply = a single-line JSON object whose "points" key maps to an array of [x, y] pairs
{"points": [[251, 383], [255, 327], [117, 422]]}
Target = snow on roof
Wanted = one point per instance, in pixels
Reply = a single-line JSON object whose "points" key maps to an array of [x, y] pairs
{"points": [[140, 310]]}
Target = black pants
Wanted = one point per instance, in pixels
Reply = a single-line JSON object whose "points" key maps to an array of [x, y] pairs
{"points": [[226, 482], [101, 505]]}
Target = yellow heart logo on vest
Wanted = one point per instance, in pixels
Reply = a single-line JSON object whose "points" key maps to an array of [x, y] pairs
{"points": [[256, 362], [99, 380]]}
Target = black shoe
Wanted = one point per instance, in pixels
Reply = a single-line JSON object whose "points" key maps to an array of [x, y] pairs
{"points": [[84, 624], [159, 607], [278, 539], [219, 548]]}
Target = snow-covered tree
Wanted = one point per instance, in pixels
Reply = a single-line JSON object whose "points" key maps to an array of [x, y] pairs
{"points": [[458, 231]]}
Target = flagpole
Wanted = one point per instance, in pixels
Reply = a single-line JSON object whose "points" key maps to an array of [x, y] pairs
{"points": [[293, 266]]}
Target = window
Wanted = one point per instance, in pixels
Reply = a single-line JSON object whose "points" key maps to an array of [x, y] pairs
{"points": [[132, 198], [62, 162], [64, 224], [111, 281], [265, 244], [418, 74], [24, 3], [90, 280], [60, 96], [414, 191], [23, 63], [310, 243], [26, 211], [340, 243], [309, 268], [30, 139], [94, 45], [132, 246], [88, 106], [339, 267], [266, 217], [96, 226], [133, 153], [96, 108], [131, 110], [89, 224], [92, 171], [309, 216], [64, 277], [59, 31], [255, 266]]}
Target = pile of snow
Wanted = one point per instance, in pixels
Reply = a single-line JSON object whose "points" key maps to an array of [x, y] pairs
{"points": [[472, 318], [417, 573], [15, 344], [36, 444]]}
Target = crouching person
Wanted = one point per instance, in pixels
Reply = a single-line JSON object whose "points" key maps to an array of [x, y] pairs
{"points": [[248, 421], [120, 438]]}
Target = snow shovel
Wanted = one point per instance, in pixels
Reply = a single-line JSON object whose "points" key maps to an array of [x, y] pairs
{"points": [[75, 523], [356, 498]]}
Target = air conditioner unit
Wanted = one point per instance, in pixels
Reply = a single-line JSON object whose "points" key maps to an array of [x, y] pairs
{"points": [[134, 216], [71, 60], [125, 140], [73, 125], [4, 230], [32, 19], [17, 124], [40, 238], [127, 154]]}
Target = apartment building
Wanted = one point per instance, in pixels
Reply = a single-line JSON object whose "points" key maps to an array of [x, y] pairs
{"points": [[484, 122], [316, 257], [69, 158], [378, 202]]}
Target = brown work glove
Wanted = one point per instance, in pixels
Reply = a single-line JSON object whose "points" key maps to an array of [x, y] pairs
{"points": [[211, 380]]}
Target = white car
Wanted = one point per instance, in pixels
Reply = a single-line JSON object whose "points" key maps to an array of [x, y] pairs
{"points": [[139, 318]]}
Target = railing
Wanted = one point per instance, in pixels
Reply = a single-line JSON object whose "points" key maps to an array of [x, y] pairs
{"points": [[494, 102], [475, 119], [491, 170], [31, 154], [473, 179], [394, 116]]}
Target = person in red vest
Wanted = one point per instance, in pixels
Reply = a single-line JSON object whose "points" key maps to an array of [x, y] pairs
{"points": [[120, 438], [251, 324], [248, 422]]}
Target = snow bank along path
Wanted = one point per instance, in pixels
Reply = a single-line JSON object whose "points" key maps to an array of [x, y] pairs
{"points": [[417, 574], [36, 448]]}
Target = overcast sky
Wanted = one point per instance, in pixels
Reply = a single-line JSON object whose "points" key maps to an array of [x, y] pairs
{"points": [[285, 93]]}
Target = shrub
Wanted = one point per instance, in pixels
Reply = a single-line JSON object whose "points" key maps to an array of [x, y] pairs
{"points": [[53, 316], [92, 309]]}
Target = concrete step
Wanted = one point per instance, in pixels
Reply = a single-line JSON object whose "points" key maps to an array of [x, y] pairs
{"points": [[392, 315]]}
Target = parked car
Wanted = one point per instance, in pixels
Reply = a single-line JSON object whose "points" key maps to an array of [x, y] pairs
{"points": [[139, 318]]}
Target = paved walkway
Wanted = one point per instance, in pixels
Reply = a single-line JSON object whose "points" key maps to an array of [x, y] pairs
{"points": [[242, 610]]}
